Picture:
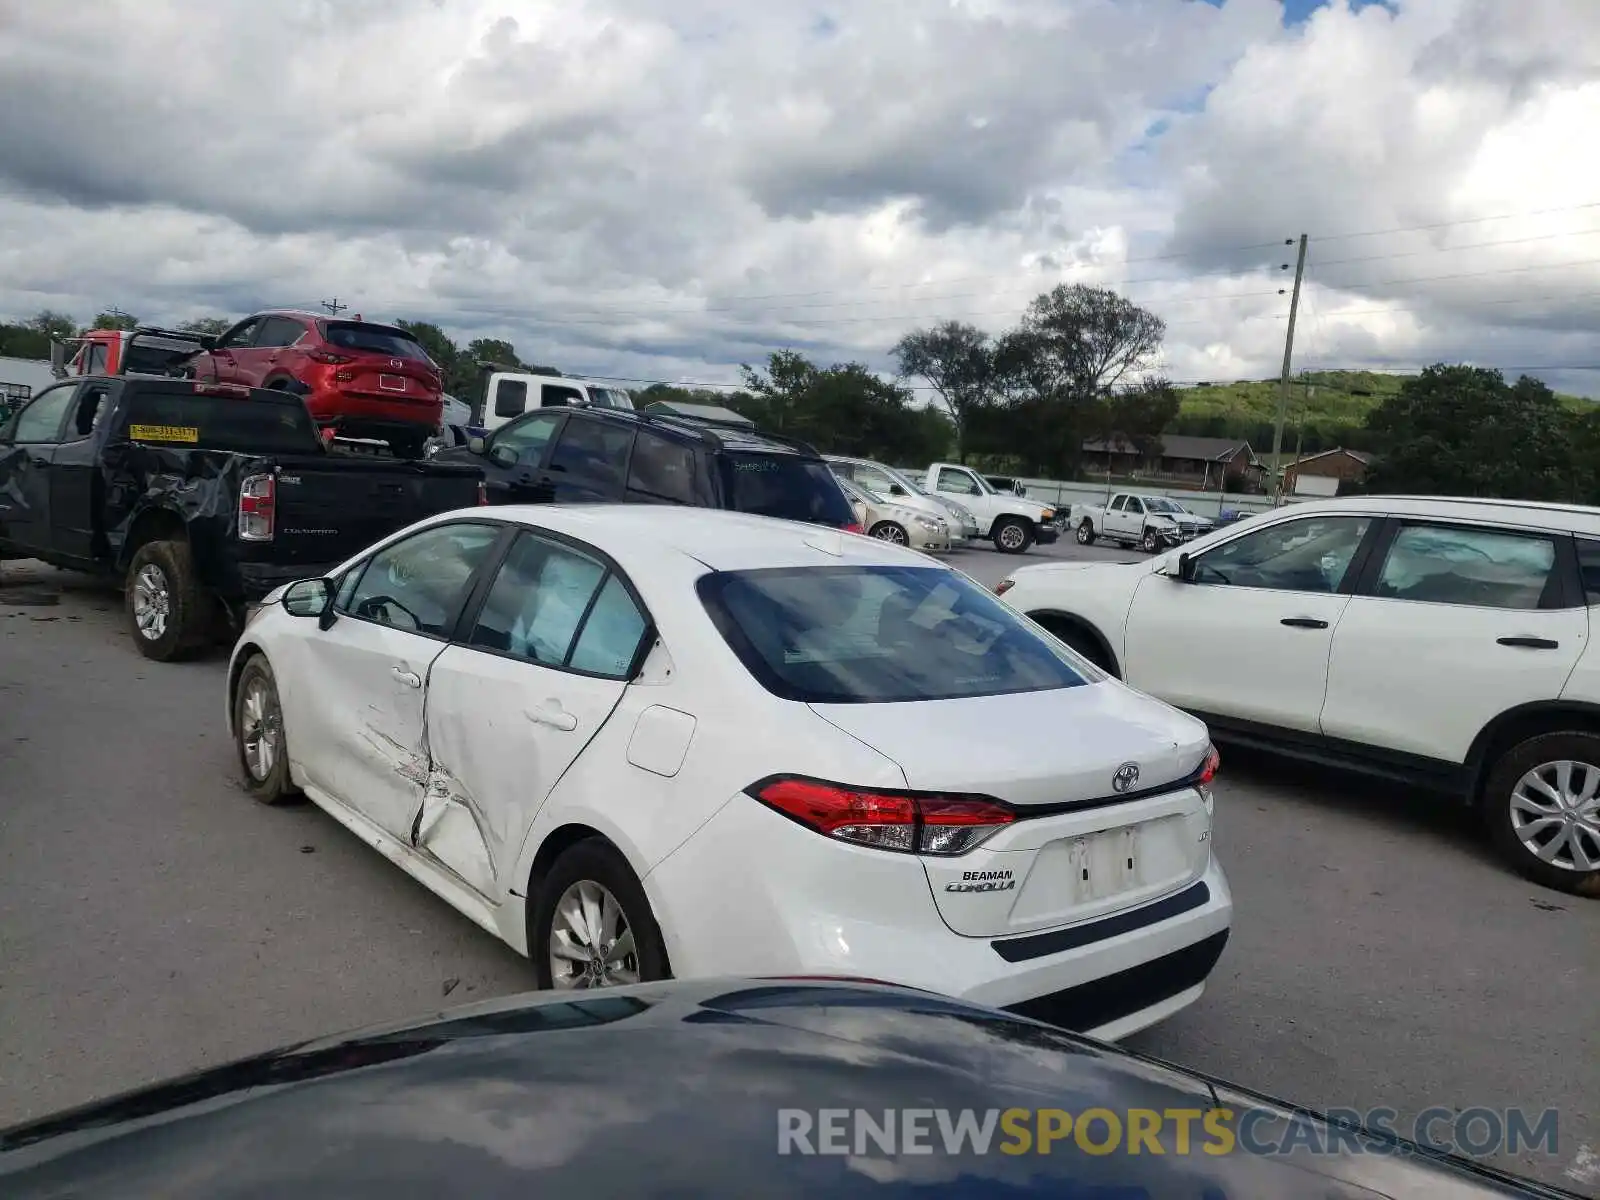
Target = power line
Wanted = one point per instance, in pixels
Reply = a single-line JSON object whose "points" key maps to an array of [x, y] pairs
{"points": [[1537, 212], [333, 306], [1543, 237]]}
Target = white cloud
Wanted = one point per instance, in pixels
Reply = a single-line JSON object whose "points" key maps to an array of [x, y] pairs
{"points": [[660, 190]]}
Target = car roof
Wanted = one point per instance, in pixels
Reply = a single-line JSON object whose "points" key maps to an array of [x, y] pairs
{"points": [[719, 538], [717, 437], [1530, 514]]}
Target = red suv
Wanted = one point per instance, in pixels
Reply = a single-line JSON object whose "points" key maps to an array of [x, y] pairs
{"points": [[358, 379]]}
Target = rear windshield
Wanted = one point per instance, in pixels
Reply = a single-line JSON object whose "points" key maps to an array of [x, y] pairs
{"points": [[182, 419], [879, 634], [375, 339], [784, 485]]}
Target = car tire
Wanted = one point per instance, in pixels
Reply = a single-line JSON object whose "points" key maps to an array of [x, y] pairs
{"points": [[258, 735], [888, 531], [169, 614], [1012, 535], [594, 868], [1508, 807], [1086, 532], [1150, 543]]}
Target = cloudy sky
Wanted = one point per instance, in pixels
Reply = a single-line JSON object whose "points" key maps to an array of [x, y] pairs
{"points": [[661, 189]]}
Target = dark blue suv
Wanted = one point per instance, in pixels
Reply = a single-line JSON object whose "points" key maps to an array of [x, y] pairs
{"points": [[612, 456]]}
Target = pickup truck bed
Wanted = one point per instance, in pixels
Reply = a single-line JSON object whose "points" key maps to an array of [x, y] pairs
{"points": [[197, 496]]}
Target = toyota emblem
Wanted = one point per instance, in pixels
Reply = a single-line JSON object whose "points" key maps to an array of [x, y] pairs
{"points": [[1127, 775]]}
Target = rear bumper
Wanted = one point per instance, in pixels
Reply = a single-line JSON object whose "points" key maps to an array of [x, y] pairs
{"points": [[360, 410], [807, 905], [255, 580]]}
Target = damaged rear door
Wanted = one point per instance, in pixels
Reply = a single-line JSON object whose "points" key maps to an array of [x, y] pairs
{"points": [[365, 741], [540, 666]]}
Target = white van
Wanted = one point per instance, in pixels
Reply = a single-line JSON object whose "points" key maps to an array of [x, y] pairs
{"points": [[509, 394]]}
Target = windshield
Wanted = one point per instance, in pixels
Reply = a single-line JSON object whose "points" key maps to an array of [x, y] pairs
{"points": [[879, 634], [1162, 505], [785, 486]]}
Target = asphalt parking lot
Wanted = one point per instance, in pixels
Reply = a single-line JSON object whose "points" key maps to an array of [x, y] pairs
{"points": [[153, 920]]}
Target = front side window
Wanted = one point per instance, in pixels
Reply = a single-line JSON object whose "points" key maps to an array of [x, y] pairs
{"points": [[878, 481], [280, 331], [419, 584], [93, 401], [240, 335], [951, 480], [1307, 555], [1482, 568], [555, 606], [880, 634], [528, 438], [559, 395], [41, 420]]}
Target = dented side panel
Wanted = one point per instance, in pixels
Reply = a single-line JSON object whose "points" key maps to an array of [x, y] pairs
{"points": [[497, 747]]}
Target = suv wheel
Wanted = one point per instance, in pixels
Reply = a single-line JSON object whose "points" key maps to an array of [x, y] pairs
{"points": [[1086, 532], [1542, 805]]}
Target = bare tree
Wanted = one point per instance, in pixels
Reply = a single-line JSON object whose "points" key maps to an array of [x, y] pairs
{"points": [[958, 362]]}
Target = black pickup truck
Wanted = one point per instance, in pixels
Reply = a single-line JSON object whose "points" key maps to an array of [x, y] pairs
{"points": [[199, 496]]}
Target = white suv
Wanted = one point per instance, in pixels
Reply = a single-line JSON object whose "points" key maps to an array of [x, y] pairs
{"points": [[1444, 642]]}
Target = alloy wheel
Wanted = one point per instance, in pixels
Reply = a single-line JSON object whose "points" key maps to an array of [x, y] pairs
{"points": [[152, 602], [591, 942], [1555, 814], [260, 729]]}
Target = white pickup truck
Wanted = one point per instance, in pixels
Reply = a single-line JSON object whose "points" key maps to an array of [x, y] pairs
{"points": [[1009, 521], [1154, 523]]}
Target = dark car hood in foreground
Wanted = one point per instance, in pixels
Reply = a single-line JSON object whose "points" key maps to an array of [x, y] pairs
{"points": [[662, 1090]]}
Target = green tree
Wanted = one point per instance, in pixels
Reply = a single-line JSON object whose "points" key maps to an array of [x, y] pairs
{"points": [[958, 362], [53, 324], [1463, 431], [115, 320], [209, 326]]}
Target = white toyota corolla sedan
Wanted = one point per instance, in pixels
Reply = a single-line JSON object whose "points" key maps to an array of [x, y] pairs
{"points": [[638, 741]]}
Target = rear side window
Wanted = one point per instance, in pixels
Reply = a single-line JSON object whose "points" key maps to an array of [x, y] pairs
{"points": [[785, 486], [510, 398], [662, 469], [593, 453], [865, 635], [176, 415], [375, 339], [1589, 566], [1480, 568]]}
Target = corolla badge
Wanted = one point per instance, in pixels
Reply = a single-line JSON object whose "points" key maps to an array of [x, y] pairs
{"points": [[1126, 776]]}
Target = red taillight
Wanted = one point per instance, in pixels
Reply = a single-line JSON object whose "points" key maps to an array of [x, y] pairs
{"points": [[329, 358], [221, 389], [1004, 586], [1209, 768], [854, 527], [483, 492], [908, 822], [258, 502]]}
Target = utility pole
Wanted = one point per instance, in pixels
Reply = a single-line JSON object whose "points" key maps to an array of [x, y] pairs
{"points": [[1283, 381], [335, 308]]}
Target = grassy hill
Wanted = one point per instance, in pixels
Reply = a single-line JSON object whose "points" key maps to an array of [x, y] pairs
{"points": [[1335, 400]]}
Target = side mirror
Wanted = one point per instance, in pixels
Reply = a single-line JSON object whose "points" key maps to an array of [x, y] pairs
{"points": [[1185, 568], [476, 444], [308, 598]]}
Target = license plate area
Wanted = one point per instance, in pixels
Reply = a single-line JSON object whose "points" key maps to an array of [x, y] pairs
{"points": [[1103, 864], [392, 383]]}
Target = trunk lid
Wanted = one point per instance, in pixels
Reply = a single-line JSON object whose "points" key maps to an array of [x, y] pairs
{"points": [[385, 362], [1083, 846]]}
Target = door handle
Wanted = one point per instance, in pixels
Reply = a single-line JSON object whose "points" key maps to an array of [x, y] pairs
{"points": [[555, 716], [409, 678], [1529, 643], [1303, 623]]}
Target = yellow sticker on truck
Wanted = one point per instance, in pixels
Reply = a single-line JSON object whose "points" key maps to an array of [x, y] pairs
{"points": [[164, 433]]}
